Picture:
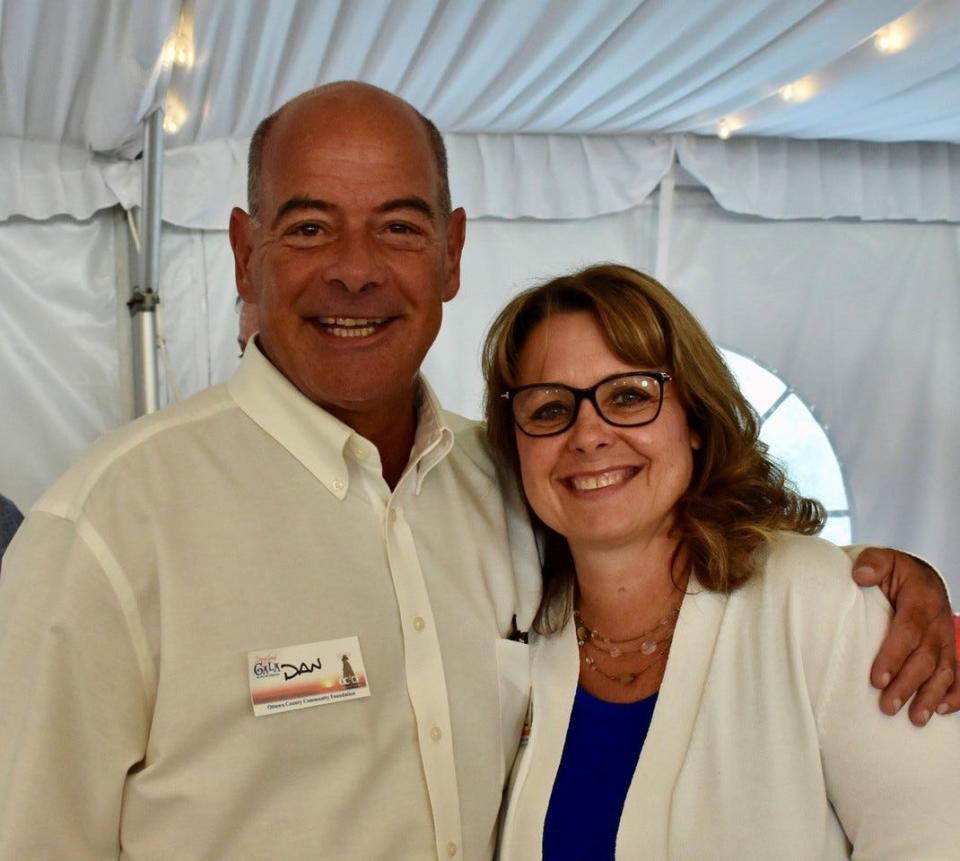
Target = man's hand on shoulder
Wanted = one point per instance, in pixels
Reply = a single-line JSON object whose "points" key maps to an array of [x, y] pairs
{"points": [[918, 654]]}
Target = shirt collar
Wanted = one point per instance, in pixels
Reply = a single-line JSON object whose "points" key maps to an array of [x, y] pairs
{"points": [[434, 437], [319, 440]]}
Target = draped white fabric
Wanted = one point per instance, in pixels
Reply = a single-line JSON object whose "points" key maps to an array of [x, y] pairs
{"points": [[44, 180], [64, 336], [861, 319], [554, 176], [570, 107], [83, 74], [548, 177], [782, 178], [86, 73]]}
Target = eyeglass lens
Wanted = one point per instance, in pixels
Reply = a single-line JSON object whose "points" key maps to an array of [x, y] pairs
{"points": [[625, 401]]}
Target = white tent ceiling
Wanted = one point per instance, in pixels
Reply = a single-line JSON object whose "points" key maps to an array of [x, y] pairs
{"points": [[511, 83], [86, 73]]}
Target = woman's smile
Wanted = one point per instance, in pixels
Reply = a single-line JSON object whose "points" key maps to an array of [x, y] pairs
{"points": [[593, 481]]}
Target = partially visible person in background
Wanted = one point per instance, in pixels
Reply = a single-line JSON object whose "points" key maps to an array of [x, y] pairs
{"points": [[248, 324], [10, 519]]}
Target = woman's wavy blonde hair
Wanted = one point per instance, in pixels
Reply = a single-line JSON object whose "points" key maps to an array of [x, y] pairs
{"points": [[737, 495]]}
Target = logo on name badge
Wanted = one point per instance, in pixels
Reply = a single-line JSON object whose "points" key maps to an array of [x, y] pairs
{"points": [[300, 677]]}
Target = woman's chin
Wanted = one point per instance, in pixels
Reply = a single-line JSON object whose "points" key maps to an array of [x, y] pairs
{"points": [[608, 534]]}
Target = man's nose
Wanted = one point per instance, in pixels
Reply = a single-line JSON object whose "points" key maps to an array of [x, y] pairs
{"points": [[353, 262], [589, 431]]}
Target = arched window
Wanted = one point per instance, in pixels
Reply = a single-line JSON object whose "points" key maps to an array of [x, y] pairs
{"points": [[798, 440]]}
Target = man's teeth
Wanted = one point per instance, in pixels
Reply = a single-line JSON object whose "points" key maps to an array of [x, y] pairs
{"points": [[351, 327], [605, 479]]}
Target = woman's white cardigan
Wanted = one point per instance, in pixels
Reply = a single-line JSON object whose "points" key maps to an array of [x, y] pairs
{"points": [[766, 741]]}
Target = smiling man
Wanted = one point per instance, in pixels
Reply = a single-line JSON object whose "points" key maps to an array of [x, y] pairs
{"points": [[276, 621], [349, 251]]}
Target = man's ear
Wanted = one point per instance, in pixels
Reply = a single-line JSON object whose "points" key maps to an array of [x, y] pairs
{"points": [[456, 235], [241, 241]]}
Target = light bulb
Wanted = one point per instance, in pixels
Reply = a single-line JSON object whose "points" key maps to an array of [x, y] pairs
{"points": [[178, 49], [174, 114], [889, 40], [723, 130]]}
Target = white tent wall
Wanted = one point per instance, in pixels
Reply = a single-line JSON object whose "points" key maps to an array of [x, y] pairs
{"points": [[860, 318], [197, 314], [503, 257], [65, 335]]}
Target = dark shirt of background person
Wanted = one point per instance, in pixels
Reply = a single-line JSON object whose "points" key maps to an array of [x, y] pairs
{"points": [[10, 519]]}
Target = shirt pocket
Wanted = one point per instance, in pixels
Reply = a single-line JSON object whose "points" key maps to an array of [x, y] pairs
{"points": [[513, 675]]}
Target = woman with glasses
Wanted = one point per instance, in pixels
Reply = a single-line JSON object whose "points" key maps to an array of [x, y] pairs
{"points": [[698, 660]]}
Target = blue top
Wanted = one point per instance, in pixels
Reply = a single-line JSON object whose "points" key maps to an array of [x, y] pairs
{"points": [[600, 755]]}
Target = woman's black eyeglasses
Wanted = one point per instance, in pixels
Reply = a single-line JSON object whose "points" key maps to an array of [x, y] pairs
{"points": [[624, 400]]}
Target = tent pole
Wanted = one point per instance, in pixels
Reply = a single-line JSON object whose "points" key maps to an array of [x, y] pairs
{"points": [[146, 295]]}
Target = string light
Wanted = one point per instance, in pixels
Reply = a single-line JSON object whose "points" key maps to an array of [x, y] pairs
{"points": [[179, 48], [798, 91], [890, 39], [183, 53], [178, 51], [894, 37], [174, 114]]}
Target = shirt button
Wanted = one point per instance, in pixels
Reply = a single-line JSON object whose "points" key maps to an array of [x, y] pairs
{"points": [[418, 623], [393, 515], [451, 849], [338, 484], [436, 733]]}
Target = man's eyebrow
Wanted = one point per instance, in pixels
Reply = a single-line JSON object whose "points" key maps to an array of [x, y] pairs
{"points": [[417, 203], [297, 203]]}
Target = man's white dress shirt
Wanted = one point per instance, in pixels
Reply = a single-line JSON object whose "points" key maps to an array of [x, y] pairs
{"points": [[245, 520]]}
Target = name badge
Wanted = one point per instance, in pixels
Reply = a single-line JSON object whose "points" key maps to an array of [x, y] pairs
{"points": [[300, 677]]}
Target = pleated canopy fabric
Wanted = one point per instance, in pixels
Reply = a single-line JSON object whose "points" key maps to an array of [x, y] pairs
{"points": [[532, 94]]}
